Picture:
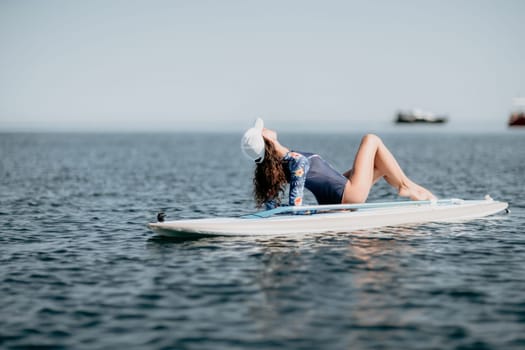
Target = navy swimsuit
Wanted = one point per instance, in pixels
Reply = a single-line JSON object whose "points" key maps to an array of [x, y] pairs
{"points": [[309, 170]]}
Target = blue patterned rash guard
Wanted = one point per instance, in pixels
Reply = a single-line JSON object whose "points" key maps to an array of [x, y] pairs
{"points": [[309, 170]]}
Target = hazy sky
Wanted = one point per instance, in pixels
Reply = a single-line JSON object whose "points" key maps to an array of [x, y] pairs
{"points": [[217, 65]]}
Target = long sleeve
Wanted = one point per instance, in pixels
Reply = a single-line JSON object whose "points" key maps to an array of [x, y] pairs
{"points": [[299, 166]]}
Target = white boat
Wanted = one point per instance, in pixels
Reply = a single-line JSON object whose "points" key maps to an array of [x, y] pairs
{"points": [[417, 116], [332, 218]]}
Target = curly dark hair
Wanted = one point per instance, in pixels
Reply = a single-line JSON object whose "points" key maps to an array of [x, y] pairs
{"points": [[269, 180]]}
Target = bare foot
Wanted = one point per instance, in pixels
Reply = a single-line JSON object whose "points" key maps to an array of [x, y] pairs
{"points": [[415, 192]]}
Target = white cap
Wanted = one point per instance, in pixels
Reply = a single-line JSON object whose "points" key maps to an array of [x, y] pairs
{"points": [[252, 143]]}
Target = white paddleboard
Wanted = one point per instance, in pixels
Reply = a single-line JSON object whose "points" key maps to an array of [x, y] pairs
{"points": [[334, 219]]}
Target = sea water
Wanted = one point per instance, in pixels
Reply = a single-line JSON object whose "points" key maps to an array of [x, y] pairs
{"points": [[79, 269]]}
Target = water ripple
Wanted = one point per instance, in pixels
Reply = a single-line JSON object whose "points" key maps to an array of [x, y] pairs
{"points": [[79, 269]]}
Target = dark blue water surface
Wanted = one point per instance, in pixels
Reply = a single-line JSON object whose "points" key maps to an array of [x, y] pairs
{"points": [[80, 270]]}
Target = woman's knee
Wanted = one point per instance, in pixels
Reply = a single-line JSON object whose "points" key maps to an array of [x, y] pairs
{"points": [[371, 138]]}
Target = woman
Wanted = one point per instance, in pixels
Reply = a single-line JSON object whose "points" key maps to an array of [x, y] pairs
{"points": [[277, 165]]}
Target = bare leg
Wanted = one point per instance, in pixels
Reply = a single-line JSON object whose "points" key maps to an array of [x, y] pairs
{"points": [[373, 161]]}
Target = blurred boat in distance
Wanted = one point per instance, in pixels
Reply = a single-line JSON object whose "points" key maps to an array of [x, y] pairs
{"points": [[517, 116], [517, 119], [417, 116]]}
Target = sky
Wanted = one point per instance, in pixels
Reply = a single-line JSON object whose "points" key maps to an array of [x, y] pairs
{"points": [[217, 65]]}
